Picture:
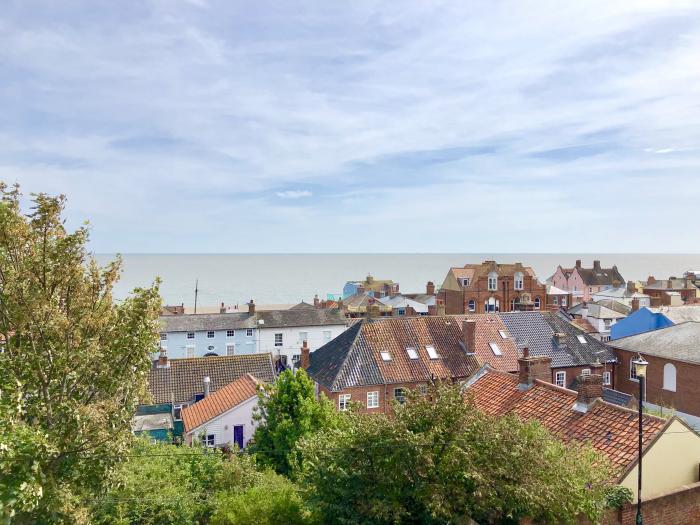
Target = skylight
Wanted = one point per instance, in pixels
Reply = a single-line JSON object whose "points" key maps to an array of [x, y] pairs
{"points": [[495, 349], [431, 352], [386, 356], [412, 353], [503, 334], [581, 339]]}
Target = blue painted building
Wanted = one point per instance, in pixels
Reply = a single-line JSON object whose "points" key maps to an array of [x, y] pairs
{"points": [[643, 320]]}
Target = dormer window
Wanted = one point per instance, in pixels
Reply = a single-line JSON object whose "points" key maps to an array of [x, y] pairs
{"points": [[431, 352], [386, 356], [518, 281], [493, 281], [412, 353], [466, 281]]}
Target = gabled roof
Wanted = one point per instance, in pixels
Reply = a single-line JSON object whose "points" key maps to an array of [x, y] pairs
{"points": [[584, 325], [598, 311], [199, 322], [679, 314], [615, 306], [609, 428], [679, 342], [221, 401], [301, 317], [354, 358], [303, 306], [488, 328], [401, 301], [474, 271], [183, 378], [597, 276]]}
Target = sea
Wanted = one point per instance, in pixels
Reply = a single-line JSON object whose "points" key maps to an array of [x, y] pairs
{"points": [[234, 279]]}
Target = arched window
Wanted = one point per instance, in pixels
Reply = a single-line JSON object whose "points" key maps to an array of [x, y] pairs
{"points": [[493, 281], [472, 305], [669, 377], [537, 303], [518, 281]]}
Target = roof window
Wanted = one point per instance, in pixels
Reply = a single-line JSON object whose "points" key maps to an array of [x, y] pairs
{"points": [[412, 353], [581, 339], [503, 334], [431, 352], [386, 356], [495, 349]]}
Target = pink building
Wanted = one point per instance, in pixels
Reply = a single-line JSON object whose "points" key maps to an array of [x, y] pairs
{"points": [[583, 283]]}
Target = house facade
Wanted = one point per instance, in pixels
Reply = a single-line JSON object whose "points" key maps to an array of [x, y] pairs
{"points": [[601, 316], [583, 283], [491, 287]]}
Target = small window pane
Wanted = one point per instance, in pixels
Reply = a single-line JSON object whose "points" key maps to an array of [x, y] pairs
{"points": [[210, 334], [230, 333], [373, 399]]}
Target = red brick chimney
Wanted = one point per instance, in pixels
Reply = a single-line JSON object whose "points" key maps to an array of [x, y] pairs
{"points": [[469, 335], [305, 355], [251, 307], [430, 288], [163, 359], [651, 279], [596, 265], [590, 388], [317, 303], [531, 368], [631, 287], [578, 263], [635, 304]]}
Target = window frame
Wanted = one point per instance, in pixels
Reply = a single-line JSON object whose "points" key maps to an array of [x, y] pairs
{"points": [[432, 353], [211, 334], [675, 378], [207, 442], [163, 336], [402, 397], [249, 332], [177, 412], [190, 335], [281, 339], [230, 333], [607, 378], [633, 370], [518, 281], [538, 303], [556, 378], [230, 349], [492, 282], [373, 396], [471, 305], [343, 401]]}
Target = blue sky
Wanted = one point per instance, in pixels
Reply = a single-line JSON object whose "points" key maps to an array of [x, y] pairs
{"points": [[220, 126]]}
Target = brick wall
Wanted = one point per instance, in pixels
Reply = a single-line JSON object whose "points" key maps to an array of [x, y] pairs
{"points": [[359, 395], [574, 371], [686, 398]]}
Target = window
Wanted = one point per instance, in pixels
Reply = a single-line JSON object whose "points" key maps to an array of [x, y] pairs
{"points": [[412, 353], [586, 372], [190, 335], [555, 300], [503, 334], [296, 359], [343, 401], [605, 338], [189, 350], [210, 334], [607, 322], [560, 379], [518, 281], [163, 337], [326, 335], [563, 301], [303, 336], [386, 356], [400, 311], [581, 339], [493, 281], [633, 370], [249, 332], [472, 305], [607, 378], [230, 349], [400, 395], [208, 440], [466, 281], [431, 352], [198, 397], [537, 303], [495, 349], [373, 399], [669, 377], [177, 412], [278, 339], [230, 333]]}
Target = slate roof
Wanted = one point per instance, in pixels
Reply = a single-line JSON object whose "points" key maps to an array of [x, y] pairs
{"points": [[179, 382], [303, 306], [401, 301], [221, 401], [301, 317], [679, 314], [584, 325], [601, 276], [679, 342], [487, 331], [598, 311], [353, 358], [537, 330], [609, 428], [676, 284], [616, 397]]}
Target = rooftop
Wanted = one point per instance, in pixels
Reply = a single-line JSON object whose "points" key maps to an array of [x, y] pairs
{"points": [[678, 342], [679, 314]]}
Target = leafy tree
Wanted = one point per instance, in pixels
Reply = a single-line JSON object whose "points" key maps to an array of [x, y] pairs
{"points": [[439, 460], [287, 411], [73, 366]]}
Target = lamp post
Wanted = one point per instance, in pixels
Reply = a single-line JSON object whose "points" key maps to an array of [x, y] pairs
{"points": [[640, 368]]}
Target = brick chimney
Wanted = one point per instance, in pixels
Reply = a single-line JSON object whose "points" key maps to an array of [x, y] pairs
{"points": [[430, 288], [631, 287], [531, 368], [469, 335], [251, 307], [317, 302], [596, 265], [305, 356], [206, 385], [578, 263], [590, 388], [635, 304], [651, 279], [340, 304], [222, 308], [163, 359]]}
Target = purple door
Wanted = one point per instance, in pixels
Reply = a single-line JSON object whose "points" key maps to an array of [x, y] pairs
{"points": [[238, 436]]}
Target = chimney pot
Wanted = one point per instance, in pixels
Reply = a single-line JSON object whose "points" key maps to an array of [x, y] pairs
{"points": [[469, 335], [251, 307], [317, 302], [596, 265], [163, 358], [206, 385], [578, 263], [590, 388], [222, 309], [635, 304], [430, 288], [305, 355]]}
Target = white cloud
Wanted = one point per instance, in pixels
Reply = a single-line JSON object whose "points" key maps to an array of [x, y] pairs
{"points": [[293, 194]]}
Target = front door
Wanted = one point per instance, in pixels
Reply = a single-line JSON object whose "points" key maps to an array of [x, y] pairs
{"points": [[238, 436]]}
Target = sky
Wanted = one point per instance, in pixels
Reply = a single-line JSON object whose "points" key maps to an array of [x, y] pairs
{"points": [[208, 126]]}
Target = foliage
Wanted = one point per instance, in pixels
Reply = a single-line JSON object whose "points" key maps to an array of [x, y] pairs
{"points": [[74, 362], [288, 410], [618, 496], [439, 460]]}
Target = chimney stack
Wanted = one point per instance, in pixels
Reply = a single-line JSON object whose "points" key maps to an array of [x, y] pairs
{"points": [[651, 279], [251, 307], [532, 368], [340, 304], [469, 335], [596, 265], [206, 385], [317, 302], [590, 388], [305, 355], [578, 263], [635, 304], [222, 308], [163, 358], [631, 287], [430, 288]]}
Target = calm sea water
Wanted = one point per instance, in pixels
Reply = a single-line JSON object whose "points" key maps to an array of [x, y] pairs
{"points": [[289, 278]]}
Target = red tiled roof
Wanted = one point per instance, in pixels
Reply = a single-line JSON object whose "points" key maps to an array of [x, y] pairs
{"points": [[487, 331], [609, 428], [219, 402]]}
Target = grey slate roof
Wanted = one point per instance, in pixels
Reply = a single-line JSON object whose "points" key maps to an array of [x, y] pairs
{"points": [[537, 330], [243, 320], [601, 276], [184, 378], [616, 397], [678, 342]]}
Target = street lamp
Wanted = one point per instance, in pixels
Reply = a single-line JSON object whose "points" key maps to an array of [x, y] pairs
{"points": [[640, 370]]}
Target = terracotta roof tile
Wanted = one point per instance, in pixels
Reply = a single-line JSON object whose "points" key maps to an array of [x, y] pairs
{"points": [[488, 330], [223, 400]]}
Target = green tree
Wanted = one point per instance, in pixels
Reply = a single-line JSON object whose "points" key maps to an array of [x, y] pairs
{"points": [[439, 460], [74, 362], [287, 411]]}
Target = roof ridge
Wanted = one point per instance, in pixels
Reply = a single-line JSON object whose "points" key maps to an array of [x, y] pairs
{"points": [[350, 350], [556, 388]]}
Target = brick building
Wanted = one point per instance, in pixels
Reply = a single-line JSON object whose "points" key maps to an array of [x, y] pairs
{"points": [[672, 376], [376, 361], [663, 291], [491, 287], [583, 283]]}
